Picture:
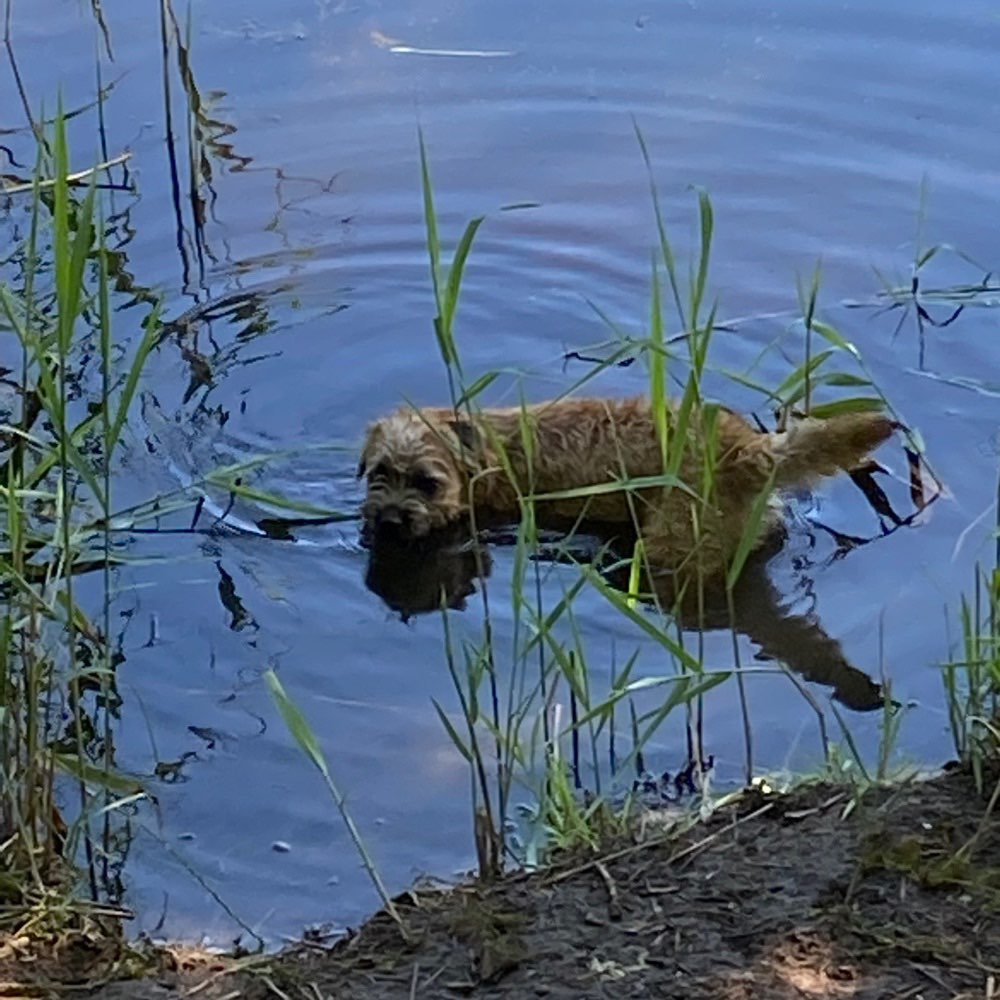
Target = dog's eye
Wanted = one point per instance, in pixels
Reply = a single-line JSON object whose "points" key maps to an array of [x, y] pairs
{"points": [[427, 485], [381, 471]]}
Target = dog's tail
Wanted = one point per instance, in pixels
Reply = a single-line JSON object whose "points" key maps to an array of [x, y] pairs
{"points": [[812, 448]]}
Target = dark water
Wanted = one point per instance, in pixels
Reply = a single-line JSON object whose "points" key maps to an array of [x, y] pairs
{"points": [[305, 284]]}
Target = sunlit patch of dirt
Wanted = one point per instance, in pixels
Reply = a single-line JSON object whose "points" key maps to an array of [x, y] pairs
{"points": [[93, 958], [802, 964]]}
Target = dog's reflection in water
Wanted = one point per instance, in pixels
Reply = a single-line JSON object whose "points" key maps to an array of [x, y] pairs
{"points": [[415, 578]]}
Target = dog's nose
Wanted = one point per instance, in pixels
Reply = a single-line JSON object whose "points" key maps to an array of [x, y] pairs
{"points": [[390, 515], [392, 522]]}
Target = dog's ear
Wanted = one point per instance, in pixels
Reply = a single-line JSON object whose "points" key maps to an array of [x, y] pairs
{"points": [[466, 433], [372, 437]]}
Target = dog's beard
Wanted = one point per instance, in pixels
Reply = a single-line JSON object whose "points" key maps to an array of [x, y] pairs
{"points": [[402, 515]]}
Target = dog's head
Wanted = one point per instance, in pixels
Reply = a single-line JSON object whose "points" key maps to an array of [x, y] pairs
{"points": [[417, 468]]}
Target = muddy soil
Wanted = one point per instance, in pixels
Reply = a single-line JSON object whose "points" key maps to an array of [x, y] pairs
{"points": [[810, 894]]}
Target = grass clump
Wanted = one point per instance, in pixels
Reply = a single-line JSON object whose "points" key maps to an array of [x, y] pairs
{"points": [[65, 807], [972, 680], [529, 716], [62, 798]]}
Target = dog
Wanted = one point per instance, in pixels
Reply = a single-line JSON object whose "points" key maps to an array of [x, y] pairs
{"points": [[580, 458]]}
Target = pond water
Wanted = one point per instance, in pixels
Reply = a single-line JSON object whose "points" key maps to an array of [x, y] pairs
{"points": [[289, 251]]}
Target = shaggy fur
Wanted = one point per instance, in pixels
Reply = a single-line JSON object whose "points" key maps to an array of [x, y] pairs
{"points": [[425, 468]]}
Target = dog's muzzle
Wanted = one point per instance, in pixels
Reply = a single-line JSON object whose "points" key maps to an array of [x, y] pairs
{"points": [[390, 522]]}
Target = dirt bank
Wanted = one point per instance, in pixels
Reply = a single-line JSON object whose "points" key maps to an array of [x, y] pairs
{"points": [[811, 894]]}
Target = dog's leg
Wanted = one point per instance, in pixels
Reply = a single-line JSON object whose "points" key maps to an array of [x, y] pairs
{"points": [[686, 537]]}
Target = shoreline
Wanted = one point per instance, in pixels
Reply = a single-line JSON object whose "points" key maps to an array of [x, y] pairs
{"points": [[823, 890]]}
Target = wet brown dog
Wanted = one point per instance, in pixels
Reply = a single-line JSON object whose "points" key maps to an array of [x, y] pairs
{"points": [[426, 468]]}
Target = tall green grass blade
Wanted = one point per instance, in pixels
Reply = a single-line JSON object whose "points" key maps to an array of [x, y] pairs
{"points": [[838, 380], [146, 344], [741, 378], [277, 501], [430, 222], [456, 271], [699, 343], [800, 376], [831, 334], [657, 366], [809, 298], [680, 439], [853, 404], [637, 563], [706, 222], [82, 247], [666, 250], [296, 723], [60, 221], [74, 460], [442, 324], [616, 486], [544, 627], [622, 604], [682, 694], [480, 385], [69, 256], [684, 688], [852, 744], [453, 734], [627, 350], [98, 777], [303, 734], [809, 318], [750, 536]]}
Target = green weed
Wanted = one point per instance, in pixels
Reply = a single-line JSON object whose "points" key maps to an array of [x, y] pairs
{"points": [[58, 689], [530, 717]]}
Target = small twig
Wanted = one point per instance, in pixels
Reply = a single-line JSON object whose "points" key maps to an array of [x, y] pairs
{"points": [[205, 983], [269, 983], [814, 704], [660, 890], [796, 814], [414, 979], [241, 965], [80, 175], [653, 841], [969, 846], [931, 975], [614, 904]]}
